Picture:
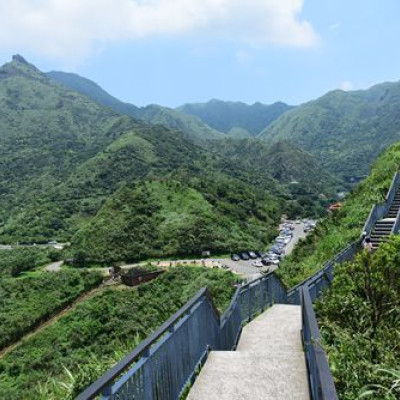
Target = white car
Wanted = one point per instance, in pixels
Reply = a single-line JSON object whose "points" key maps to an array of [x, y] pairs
{"points": [[257, 264], [287, 239]]}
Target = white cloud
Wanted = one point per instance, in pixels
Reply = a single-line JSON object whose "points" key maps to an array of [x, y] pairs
{"points": [[73, 28], [346, 86]]}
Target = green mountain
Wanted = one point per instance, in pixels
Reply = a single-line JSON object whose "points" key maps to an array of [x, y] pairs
{"points": [[119, 188], [345, 130], [235, 118], [45, 132], [66, 162], [192, 127], [283, 161]]}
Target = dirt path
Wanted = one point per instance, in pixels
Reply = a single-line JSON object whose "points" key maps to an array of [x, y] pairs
{"points": [[83, 297]]}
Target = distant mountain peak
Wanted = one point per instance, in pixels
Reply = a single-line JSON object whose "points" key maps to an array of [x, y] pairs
{"points": [[19, 58], [19, 66]]}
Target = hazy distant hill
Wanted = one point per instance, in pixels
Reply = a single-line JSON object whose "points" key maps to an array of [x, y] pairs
{"points": [[191, 126], [235, 118], [346, 130]]}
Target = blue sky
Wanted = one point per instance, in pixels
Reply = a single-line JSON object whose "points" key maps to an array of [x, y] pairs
{"points": [[170, 52]]}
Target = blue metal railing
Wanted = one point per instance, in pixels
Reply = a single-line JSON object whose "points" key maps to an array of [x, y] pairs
{"points": [[322, 386], [378, 211], [165, 362]]}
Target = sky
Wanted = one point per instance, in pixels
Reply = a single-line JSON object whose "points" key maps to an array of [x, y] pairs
{"points": [[171, 52]]}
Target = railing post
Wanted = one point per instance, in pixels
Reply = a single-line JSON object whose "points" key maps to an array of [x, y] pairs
{"points": [[261, 296], [147, 378], [107, 392], [249, 303]]}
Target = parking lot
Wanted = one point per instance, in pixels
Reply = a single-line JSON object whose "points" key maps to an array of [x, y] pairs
{"points": [[248, 271]]}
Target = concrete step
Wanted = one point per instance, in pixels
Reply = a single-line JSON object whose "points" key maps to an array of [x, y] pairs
{"points": [[253, 376], [268, 364]]}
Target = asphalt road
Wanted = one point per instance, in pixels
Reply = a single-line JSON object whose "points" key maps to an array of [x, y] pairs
{"points": [[298, 233]]}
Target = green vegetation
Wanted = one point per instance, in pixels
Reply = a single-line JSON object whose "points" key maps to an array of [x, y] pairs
{"points": [[27, 301], [155, 219], [229, 117], [298, 170], [61, 360], [213, 201], [359, 320], [345, 225], [191, 127], [15, 262], [345, 130]]}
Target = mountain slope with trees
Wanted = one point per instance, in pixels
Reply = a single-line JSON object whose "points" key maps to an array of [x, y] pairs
{"points": [[192, 127], [69, 164], [345, 130], [235, 118]]}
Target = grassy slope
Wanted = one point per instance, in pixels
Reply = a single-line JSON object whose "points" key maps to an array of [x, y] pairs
{"points": [[360, 325], [100, 331], [344, 226], [29, 300]]}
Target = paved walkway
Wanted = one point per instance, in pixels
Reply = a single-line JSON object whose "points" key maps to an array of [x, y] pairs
{"points": [[269, 363]]}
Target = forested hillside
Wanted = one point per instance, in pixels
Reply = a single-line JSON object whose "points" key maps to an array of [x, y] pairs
{"points": [[75, 170], [235, 118], [191, 126], [345, 130]]}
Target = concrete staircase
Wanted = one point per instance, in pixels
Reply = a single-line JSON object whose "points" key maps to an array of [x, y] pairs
{"points": [[383, 227], [269, 363]]}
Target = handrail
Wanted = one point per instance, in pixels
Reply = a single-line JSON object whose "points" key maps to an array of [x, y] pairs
{"points": [[231, 305], [320, 377], [396, 225], [96, 388], [392, 187], [379, 210]]}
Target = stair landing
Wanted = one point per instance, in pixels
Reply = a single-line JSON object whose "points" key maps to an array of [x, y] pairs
{"points": [[269, 363]]}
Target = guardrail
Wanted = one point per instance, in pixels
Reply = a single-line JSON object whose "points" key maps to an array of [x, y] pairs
{"points": [[164, 363], [378, 211], [321, 381], [315, 282]]}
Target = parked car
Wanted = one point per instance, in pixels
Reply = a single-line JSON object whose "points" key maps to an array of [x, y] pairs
{"points": [[260, 254], [267, 261], [257, 264], [252, 255], [244, 256], [276, 250], [235, 257]]}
